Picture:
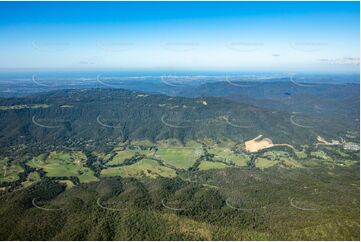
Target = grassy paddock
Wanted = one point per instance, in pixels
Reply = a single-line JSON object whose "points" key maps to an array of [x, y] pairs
{"points": [[145, 167], [64, 164]]}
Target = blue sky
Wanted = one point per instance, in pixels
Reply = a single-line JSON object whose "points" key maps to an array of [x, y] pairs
{"points": [[217, 36]]}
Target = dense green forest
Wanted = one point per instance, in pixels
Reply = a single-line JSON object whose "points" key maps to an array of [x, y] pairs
{"points": [[209, 209], [102, 164]]}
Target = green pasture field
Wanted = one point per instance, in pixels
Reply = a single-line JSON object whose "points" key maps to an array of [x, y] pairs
{"points": [[145, 167], [32, 178], [121, 156], [208, 165], [265, 163], [64, 164], [178, 155], [9, 170], [127, 153], [227, 155]]}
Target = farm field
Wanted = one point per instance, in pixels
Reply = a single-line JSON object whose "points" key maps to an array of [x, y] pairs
{"points": [[208, 165], [64, 164], [144, 167], [265, 163], [121, 156], [9, 170], [31, 179], [228, 156], [173, 153]]}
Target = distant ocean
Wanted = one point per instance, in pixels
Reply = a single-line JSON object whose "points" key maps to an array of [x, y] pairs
{"points": [[270, 76]]}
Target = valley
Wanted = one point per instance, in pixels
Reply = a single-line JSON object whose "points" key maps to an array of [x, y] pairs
{"points": [[206, 165]]}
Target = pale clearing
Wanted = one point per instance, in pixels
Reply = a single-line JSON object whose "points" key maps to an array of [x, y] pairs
{"points": [[257, 144]]}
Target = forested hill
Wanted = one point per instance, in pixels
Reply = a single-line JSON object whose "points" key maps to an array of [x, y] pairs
{"points": [[64, 116]]}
